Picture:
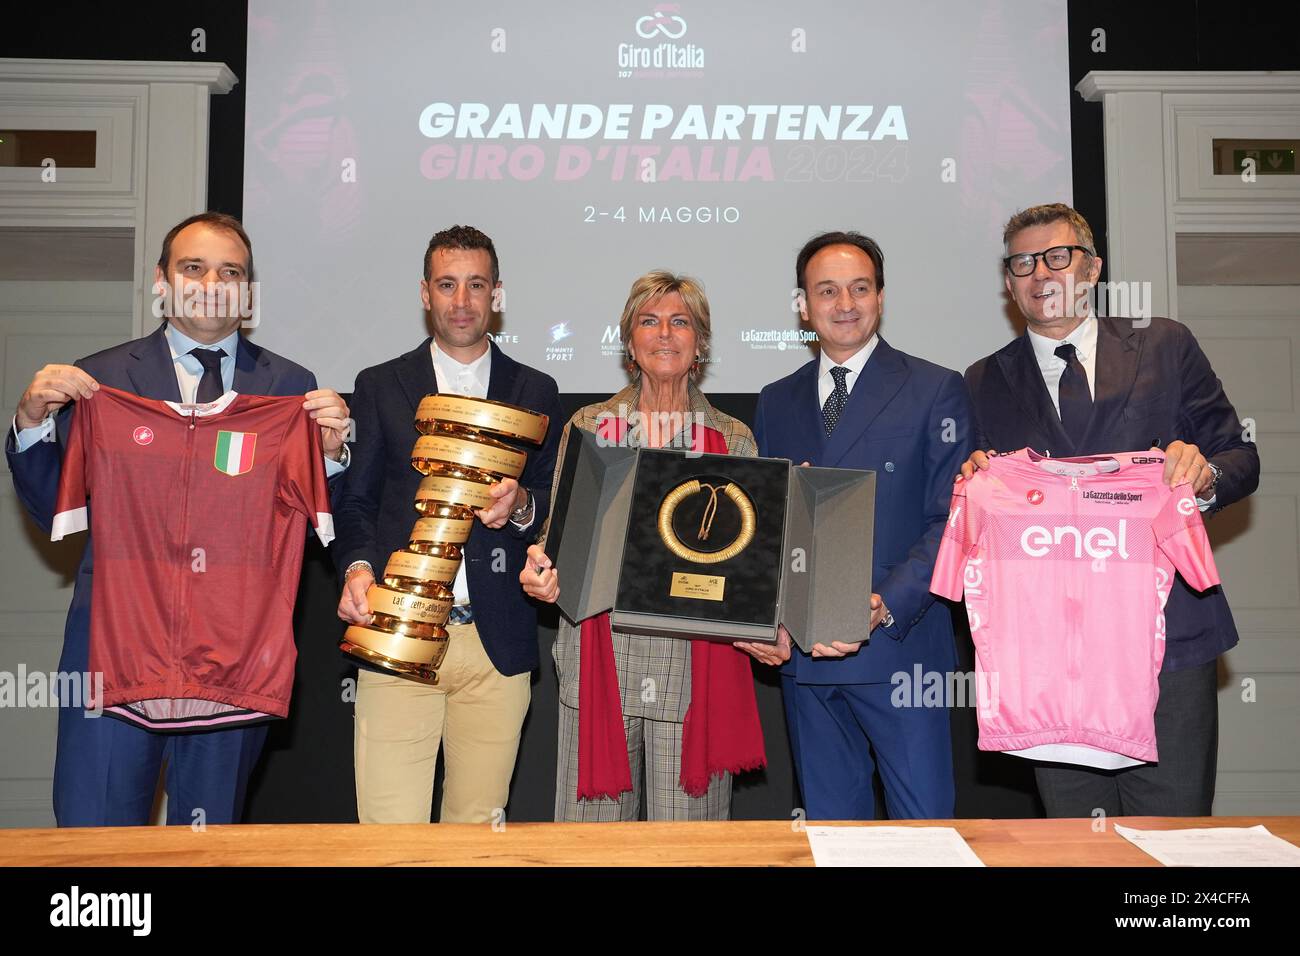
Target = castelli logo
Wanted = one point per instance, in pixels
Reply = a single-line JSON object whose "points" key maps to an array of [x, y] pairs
{"points": [[143, 435], [1035, 497]]}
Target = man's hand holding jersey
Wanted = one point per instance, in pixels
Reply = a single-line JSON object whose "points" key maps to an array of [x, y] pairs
{"points": [[1183, 462], [330, 412], [52, 388]]}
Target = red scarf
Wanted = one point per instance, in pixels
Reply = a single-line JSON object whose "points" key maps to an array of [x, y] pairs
{"points": [[721, 733]]}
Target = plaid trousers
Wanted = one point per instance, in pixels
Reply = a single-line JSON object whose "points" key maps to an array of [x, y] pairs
{"points": [[654, 753]]}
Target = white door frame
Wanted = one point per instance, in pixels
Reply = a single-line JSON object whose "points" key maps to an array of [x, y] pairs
{"points": [[1160, 183], [1159, 174], [151, 168]]}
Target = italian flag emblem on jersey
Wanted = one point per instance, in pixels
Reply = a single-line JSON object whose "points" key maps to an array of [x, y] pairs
{"points": [[234, 454]]}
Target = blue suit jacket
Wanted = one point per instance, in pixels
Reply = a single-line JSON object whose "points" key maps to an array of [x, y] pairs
{"points": [[375, 509], [1153, 384], [142, 366], [909, 421]]}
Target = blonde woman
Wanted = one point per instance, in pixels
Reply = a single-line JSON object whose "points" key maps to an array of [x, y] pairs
{"points": [[662, 717]]}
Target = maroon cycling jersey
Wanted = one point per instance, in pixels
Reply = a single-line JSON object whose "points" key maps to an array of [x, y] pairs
{"points": [[198, 515]]}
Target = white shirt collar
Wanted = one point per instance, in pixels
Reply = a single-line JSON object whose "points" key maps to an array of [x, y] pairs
{"points": [[478, 371], [854, 363], [1083, 338]]}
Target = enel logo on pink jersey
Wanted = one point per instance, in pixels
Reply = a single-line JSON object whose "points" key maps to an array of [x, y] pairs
{"points": [[1100, 542]]}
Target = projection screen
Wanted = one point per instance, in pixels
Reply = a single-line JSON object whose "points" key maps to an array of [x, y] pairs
{"points": [[596, 141]]}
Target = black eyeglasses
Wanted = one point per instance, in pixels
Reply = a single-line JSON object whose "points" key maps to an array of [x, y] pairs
{"points": [[1056, 259]]}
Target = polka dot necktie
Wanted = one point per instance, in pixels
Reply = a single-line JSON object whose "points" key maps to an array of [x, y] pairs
{"points": [[838, 398]]}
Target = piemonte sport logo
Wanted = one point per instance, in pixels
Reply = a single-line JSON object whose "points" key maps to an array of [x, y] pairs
{"points": [[559, 353], [665, 57]]}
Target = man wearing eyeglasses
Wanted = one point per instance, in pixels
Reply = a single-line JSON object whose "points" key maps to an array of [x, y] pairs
{"points": [[1075, 384]]}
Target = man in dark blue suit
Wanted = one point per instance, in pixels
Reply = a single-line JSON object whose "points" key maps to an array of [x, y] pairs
{"points": [[863, 404], [477, 709], [1075, 384], [106, 770]]}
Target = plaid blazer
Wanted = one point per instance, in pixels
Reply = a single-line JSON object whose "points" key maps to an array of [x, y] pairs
{"points": [[654, 673]]}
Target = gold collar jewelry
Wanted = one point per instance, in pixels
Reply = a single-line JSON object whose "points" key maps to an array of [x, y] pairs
{"points": [[748, 521]]}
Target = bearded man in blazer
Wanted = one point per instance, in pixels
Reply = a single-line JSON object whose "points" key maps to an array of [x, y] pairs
{"points": [[475, 713]]}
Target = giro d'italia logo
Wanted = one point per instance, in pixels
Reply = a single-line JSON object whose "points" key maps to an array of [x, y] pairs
{"points": [[657, 52], [661, 24]]}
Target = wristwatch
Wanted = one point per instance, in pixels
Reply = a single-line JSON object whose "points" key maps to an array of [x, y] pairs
{"points": [[1210, 489], [359, 565], [524, 514]]}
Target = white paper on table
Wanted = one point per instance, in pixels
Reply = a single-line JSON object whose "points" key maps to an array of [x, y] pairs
{"points": [[890, 846], [1214, 846]]}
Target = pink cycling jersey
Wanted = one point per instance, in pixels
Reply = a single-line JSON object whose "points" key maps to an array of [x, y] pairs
{"points": [[1066, 564]]}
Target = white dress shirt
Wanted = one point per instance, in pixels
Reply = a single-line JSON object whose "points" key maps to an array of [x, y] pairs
{"points": [[455, 378], [1084, 340], [855, 364]]}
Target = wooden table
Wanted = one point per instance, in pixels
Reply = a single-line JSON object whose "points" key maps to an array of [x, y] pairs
{"points": [[737, 843]]}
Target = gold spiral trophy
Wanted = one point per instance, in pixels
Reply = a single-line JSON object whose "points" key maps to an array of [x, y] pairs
{"points": [[460, 462]]}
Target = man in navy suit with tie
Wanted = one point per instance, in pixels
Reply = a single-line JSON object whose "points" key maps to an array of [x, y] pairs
{"points": [[475, 714], [863, 404], [106, 770], [1075, 384]]}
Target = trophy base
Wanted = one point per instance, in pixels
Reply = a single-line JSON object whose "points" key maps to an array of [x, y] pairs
{"points": [[424, 673], [393, 652]]}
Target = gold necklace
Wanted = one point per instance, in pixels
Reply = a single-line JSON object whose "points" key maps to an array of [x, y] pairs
{"points": [[748, 521]]}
